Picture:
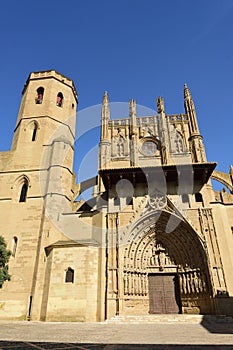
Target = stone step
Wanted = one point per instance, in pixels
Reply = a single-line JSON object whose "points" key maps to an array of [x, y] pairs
{"points": [[171, 318]]}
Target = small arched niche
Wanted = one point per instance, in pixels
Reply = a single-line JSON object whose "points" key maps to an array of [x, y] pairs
{"points": [[69, 275]]}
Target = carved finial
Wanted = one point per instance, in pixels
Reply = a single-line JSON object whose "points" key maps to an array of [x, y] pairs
{"points": [[186, 91], [231, 170], [132, 108], [105, 97], [105, 117], [160, 104], [132, 103]]}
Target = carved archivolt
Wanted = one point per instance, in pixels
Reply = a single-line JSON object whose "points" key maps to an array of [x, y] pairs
{"points": [[154, 251]]}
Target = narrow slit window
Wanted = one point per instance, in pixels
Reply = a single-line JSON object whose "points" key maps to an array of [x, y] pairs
{"points": [[40, 95], [23, 194], [59, 99], [15, 243], [34, 132], [69, 277]]}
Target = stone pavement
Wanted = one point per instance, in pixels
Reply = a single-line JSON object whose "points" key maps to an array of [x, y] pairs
{"points": [[117, 335]]}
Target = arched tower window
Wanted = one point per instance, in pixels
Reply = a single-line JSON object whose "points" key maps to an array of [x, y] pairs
{"points": [[69, 277], [59, 99], [15, 243], [40, 95], [20, 189], [23, 193], [34, 131]]}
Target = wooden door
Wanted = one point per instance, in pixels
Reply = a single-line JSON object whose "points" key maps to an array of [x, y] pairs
{"points": [[164, 294]]}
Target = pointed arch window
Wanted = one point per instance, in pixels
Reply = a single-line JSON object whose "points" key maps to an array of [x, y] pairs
{"points": [[69, 276], [23, 193], [59, 100], [34, 131], [40, 95], [15, 243]]}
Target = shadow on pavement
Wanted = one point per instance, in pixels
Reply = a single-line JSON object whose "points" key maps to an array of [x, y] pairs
{"points": [[221, 323], [11, 345], [218, 324]]}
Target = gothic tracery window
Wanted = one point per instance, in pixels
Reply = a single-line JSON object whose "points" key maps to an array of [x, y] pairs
{"points": [[179, 144], [149, 147]]}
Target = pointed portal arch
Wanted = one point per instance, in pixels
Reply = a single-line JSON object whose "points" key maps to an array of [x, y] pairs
{"points": [[153, 252]]}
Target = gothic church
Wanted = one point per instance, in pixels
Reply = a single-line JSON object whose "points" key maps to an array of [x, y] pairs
{"points": [[155, 238]]}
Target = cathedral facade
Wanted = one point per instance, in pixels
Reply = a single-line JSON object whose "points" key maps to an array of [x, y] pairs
{"points": [[155, 237]]}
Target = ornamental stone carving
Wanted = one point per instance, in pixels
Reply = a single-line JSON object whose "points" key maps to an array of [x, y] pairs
{"points": [[156, 201]]}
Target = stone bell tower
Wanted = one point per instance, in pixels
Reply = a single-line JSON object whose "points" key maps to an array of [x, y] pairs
{"points": [[48, 97], [45, 129], [37, 178]]}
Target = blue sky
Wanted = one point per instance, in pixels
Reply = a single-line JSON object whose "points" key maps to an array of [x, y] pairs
{"points": [[137, 49]]}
